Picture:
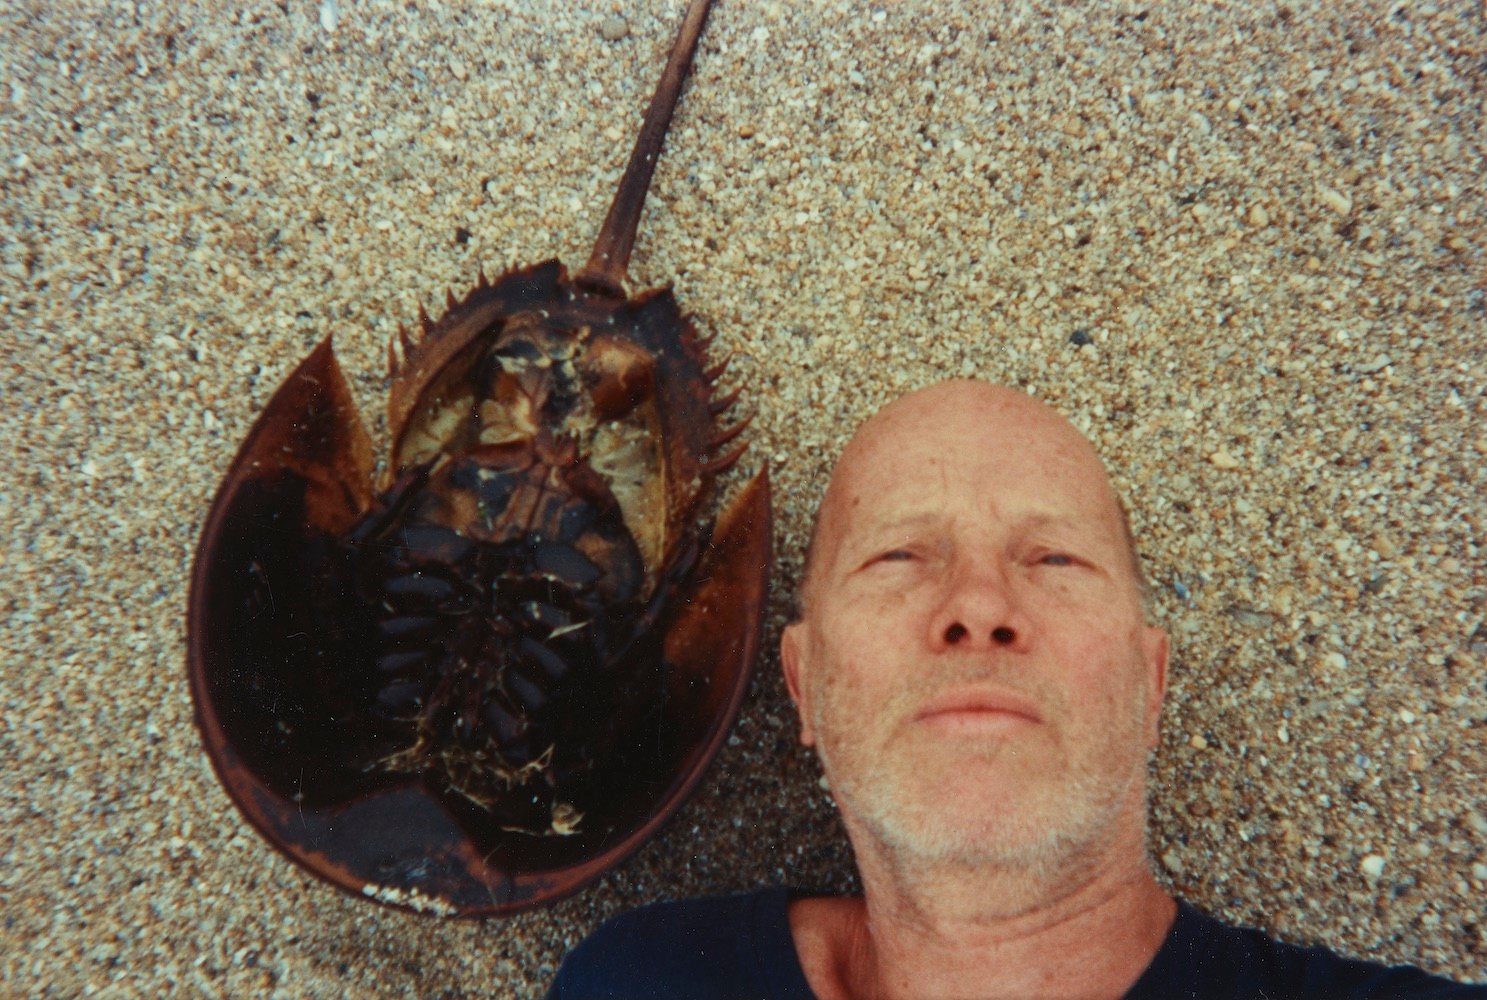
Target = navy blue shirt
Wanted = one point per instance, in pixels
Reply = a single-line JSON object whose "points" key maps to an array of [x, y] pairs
{"points": [[739, 947]]}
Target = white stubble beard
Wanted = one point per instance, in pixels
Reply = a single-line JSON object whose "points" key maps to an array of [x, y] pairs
{"points": [[1043, 840]]}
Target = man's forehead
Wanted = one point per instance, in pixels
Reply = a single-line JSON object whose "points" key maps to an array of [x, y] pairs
{"points": [[964, 423], [958, 437], [909, 505]]}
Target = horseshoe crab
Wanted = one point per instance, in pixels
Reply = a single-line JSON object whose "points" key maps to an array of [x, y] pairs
{"points": [[475, 685]]}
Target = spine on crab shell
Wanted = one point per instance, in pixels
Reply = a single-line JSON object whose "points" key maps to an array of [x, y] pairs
{"points": [[721, 404], [712, 374], [728, 434], [610, 259], [725, 461]]}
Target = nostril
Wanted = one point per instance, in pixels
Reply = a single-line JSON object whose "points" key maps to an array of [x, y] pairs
{"points": [[1002, 635], [955, 633]]}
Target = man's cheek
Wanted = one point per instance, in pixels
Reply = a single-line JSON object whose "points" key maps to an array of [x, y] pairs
{"points": [[832, 707], [843, 681]]}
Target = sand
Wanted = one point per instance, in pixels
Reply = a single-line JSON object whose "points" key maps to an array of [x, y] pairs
{"points": [[1241, 245]]}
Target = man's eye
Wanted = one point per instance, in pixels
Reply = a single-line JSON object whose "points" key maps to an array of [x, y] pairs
{"points": [[1056, 559], [896, 555]]}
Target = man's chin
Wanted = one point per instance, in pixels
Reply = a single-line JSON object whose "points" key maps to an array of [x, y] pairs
{"points": [[986, 824], [988, 770], [975, 840]]}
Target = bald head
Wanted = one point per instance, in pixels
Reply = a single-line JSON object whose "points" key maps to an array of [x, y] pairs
{"points": [[1007, 441]]}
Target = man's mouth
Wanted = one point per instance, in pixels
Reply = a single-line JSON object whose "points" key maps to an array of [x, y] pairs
{"points": [[979, 708]]}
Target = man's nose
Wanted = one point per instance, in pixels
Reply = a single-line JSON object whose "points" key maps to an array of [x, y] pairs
{"points": [[979, 612]]}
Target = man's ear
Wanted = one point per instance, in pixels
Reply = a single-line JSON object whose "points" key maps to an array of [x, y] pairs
{"points": [[792, 662], [1154, 648]]}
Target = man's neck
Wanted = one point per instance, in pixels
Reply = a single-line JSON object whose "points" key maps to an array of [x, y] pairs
{"points": [[954, 931]]}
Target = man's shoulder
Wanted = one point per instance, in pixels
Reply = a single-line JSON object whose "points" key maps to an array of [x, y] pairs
{"points": [[710, 946], [1205, 957]]}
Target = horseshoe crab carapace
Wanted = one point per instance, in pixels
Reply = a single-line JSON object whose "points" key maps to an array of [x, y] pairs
{"points": [[475, 685]]}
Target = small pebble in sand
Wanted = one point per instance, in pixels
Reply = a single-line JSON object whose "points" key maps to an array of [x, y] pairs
{"points": [[1372, 866], [1221, 459], [1197, 742], [1257, 216], [330, 14], [1334, 199], [614, 28]]}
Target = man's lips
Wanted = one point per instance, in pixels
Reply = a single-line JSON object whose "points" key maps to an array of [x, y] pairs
{"points": [[970, 703]]}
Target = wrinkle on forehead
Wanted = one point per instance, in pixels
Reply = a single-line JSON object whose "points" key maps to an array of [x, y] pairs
{"points": [[942, 424]]}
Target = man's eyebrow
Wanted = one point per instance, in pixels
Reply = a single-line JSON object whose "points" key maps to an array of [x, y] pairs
{"points": [[907, 523], [898, 524], [1083, 529], [1036, 521]]}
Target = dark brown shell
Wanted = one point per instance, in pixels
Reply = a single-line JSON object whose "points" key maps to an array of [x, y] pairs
{"points": [[475, 686]]}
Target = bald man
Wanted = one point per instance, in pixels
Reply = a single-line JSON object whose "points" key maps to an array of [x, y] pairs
{"points": [[973, 665]]}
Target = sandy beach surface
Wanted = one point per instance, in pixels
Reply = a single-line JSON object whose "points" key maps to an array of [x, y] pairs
{"points": [[1241, 244]]}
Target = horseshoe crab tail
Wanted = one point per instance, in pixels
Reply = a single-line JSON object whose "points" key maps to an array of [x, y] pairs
{"points": [[605, 271]]}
